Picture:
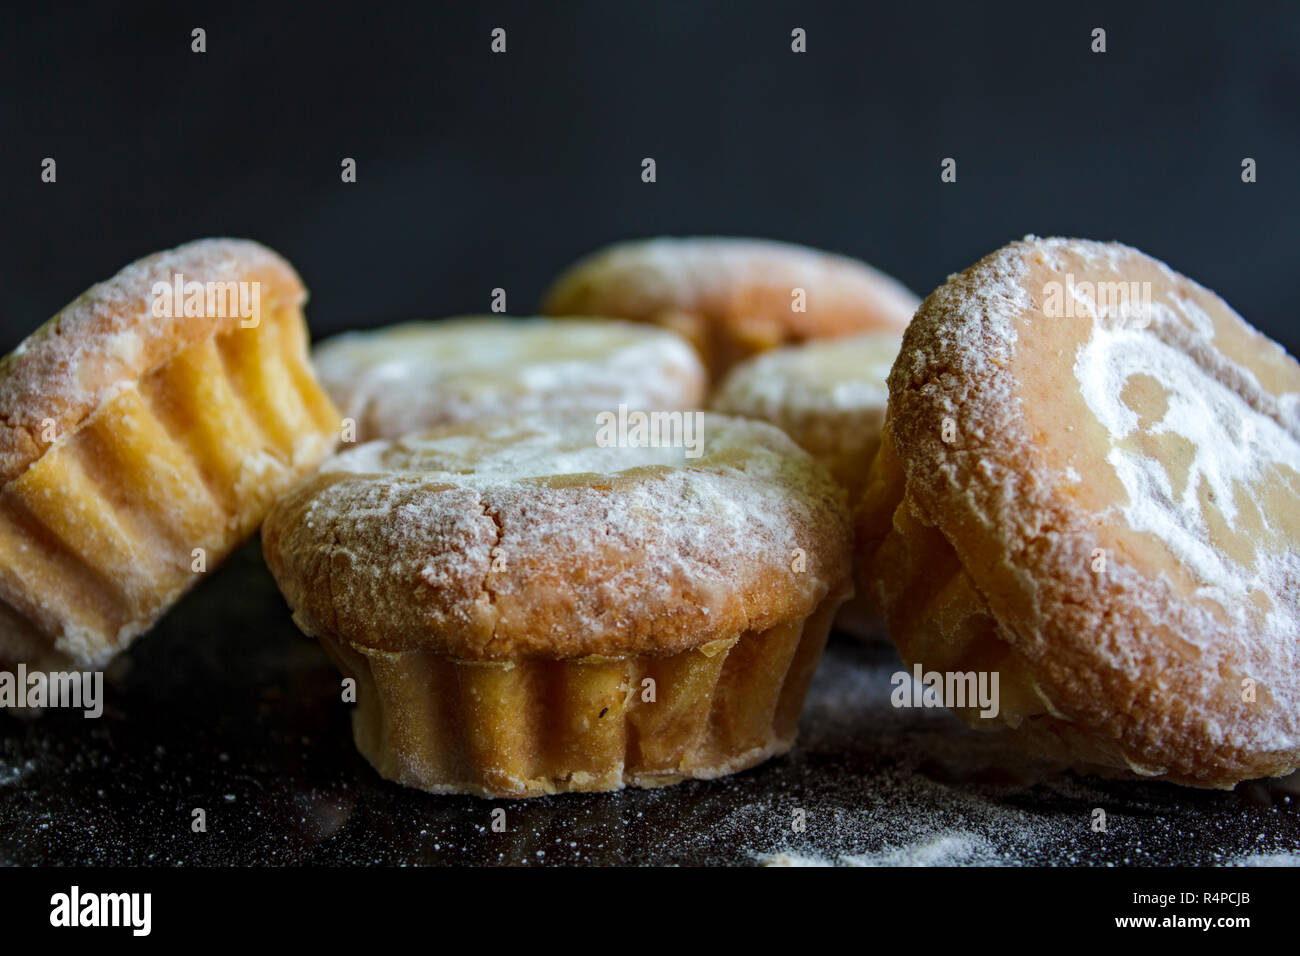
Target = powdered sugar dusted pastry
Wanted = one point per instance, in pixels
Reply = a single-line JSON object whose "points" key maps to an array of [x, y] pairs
{"points": [[410, 377], [1089, 481], [144, 432], [526, 611], [830, 397], [733, 297]]}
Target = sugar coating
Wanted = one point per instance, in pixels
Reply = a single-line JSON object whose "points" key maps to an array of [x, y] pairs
{"points": [[1235, 447], [672, 272], [108, 338], [423, 374], [507, 451], [633, 549], [827, 375], [1132, 666], [749, 475]]}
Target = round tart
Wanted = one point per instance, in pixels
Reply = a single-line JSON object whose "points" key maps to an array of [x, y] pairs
{"points": [[1089, 482], [145, 431], [733, 297], [410, 377], [527, 611], [830, 397]]}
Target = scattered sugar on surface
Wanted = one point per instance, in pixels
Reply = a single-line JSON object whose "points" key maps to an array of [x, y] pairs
{"points": [[1268, 859], [941, 849], [941, 794], [876, 785]]}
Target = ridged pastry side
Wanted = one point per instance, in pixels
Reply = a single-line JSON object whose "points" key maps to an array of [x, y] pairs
{"points": [[98, 535], [535, 727], [500, 591]]}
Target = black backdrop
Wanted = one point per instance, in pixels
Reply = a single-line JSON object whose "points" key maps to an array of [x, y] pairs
{"points": [[479, 170]]}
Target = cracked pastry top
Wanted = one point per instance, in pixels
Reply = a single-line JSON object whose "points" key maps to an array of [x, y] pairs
{"points": [[607, 550], [1089, 481]]}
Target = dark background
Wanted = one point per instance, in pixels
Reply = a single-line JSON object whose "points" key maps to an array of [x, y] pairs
{"points": [[479, 170]]}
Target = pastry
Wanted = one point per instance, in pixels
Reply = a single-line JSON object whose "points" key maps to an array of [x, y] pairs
{"points": [[733, 297], [829, 396], [1089, 482], [144, 432], [410, 377], [527, 610]]}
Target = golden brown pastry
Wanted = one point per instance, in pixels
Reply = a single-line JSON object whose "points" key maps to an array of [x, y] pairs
{"points": [[526, 610], [733, 298], [830, 397], [418, 375], [144, 432], [1089, 482]]}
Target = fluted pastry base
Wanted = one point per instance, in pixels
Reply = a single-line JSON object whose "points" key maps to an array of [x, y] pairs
{"points": [[534, 727], [98, 537]]}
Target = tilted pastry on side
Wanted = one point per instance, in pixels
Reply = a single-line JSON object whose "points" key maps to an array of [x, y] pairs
{"points": [[733, 297], [1090, 482], [418, 375], [528, 610], [145, 431]]}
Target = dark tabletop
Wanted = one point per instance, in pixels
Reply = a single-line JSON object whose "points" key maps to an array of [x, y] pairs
{"points": [[226, 707]]}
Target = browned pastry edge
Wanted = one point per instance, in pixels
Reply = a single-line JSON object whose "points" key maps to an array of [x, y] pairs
{"points": [[731, 297], [978, 565], [108, 337], [404, 561]]}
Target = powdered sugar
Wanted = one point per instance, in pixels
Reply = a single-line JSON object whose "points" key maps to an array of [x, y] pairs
{"points": [[108, 338], [504, 451], [946, 848], [1267, 859], [683, 273], [985, 352], [1233, 447], [749, 473], [423, 374], [832, 374], [596, 549]]}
